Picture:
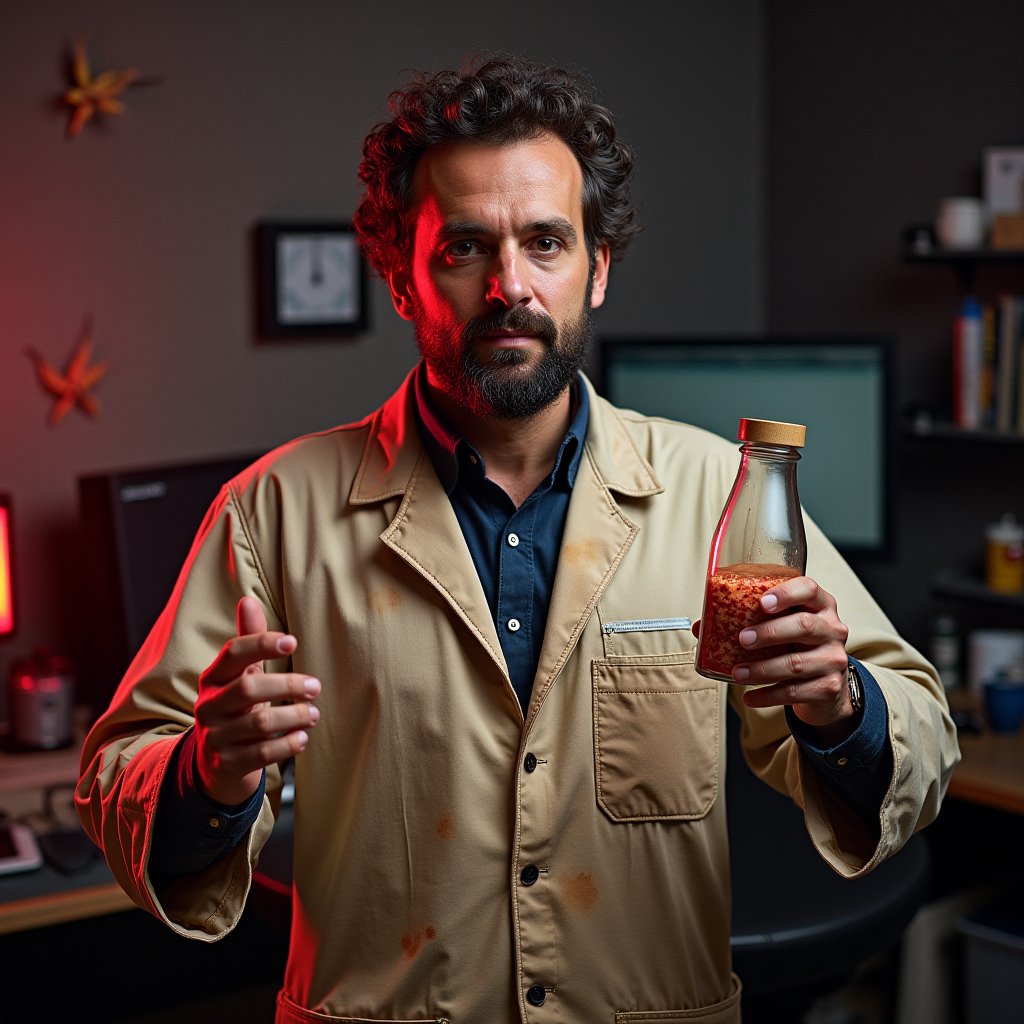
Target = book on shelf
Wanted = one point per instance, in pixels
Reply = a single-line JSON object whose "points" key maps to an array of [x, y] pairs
{"points": [[988, 365]]}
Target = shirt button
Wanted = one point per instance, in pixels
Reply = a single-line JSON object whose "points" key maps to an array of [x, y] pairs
{"points": [[841, 762], [530, 762], [535, 995], [529, 874], [472, 459], [513, 540], [215, 823], [513, 625]]}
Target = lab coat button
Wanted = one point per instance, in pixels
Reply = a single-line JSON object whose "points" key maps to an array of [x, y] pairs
{"points": [[535, 995], [530, 762], [513, 540], [513, 625], [529, 874]]}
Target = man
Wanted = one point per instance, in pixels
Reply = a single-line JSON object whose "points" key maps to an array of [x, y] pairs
{"points": [[507, 806]]}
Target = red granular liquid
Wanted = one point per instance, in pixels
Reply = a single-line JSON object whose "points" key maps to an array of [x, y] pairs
{"points": [[732, 603]]}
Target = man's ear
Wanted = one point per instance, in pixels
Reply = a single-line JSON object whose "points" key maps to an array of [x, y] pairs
{"points": [[402, 294], [602, 260]]}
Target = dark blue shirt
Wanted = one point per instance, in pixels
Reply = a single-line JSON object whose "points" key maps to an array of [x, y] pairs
{"points": [[515, 551]]}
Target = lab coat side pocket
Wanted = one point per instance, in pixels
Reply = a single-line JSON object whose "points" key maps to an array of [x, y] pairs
{"points": [[655, 738]]}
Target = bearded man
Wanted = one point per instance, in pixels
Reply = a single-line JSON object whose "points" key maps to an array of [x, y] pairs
{"points": [[506, 807]]}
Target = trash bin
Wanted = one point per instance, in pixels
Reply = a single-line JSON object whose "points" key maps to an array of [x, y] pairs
{"points": [[993, 966]]}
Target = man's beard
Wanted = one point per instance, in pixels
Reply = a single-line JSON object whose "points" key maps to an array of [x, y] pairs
{"points": [[495, 389]]}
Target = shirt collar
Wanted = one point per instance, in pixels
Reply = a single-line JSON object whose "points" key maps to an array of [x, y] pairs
{"points": [[444, 445]]}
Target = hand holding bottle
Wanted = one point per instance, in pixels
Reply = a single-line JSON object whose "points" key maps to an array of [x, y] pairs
{"points": [[812, 675]]}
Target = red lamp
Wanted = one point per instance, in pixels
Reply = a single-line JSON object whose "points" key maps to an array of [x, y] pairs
{"points": [[6, 586]]}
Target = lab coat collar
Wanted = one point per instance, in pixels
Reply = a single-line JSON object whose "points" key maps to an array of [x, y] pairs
{"points": [[393, 449]]}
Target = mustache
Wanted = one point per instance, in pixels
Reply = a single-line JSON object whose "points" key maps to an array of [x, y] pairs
{"points": [[518, 320]]}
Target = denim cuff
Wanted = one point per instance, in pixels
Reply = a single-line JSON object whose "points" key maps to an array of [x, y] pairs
{"points": [[190, 831], [860, 768]]}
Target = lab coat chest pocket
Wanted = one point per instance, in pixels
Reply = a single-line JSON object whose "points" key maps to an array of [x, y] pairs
{"points": [[656, 727]]}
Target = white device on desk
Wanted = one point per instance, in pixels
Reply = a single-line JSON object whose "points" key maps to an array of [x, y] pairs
{"points": [[19, 850]]}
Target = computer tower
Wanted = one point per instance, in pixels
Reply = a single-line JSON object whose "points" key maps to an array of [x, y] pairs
{"points": [[138, 527]]}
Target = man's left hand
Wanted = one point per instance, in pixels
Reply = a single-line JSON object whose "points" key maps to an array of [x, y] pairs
{"points": [[812, 678]]}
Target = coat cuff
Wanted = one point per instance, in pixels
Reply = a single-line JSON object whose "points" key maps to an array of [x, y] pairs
{"points": [[191, 832]]}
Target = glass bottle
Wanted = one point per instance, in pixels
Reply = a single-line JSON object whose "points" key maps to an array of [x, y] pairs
{"points": [[758, 544]]}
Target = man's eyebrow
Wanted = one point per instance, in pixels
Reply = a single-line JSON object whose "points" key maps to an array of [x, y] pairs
{"points": [[463, 227], [557, 226]]}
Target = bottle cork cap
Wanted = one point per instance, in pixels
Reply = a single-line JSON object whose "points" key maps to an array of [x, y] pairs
{"points": [[772, 432]]}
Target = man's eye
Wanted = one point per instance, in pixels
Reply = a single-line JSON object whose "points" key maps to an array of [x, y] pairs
{"points": [[465, 248], [547, 245]]}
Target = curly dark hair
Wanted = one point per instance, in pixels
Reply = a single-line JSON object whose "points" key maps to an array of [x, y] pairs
{"points": [[496, 100]]}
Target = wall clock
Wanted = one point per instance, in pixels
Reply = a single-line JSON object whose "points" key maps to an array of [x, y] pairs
{"points": [[312, 280]]}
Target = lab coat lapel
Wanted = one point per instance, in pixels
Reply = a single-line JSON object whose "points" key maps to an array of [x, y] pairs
{"points": [[596, 538], [426, 533]]}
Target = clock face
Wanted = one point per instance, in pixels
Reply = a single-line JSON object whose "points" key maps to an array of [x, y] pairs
{"points": [[317, 279]]}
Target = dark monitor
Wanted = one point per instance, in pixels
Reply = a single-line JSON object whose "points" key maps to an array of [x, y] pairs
{"points": [[139, 526], [838, 388]]}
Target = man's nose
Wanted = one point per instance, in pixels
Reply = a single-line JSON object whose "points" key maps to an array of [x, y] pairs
{"points": [[508, 284]]}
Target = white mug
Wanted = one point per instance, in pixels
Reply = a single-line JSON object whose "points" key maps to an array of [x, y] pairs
{"points": [[961, 223]]}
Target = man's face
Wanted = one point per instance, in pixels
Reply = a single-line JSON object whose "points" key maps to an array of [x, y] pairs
{"points": [[499, 283]]}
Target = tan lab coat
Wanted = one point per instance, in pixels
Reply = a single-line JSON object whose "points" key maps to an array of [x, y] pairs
{"points": [[414, 814]]}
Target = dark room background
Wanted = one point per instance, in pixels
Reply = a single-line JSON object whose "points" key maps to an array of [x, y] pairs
{"points": [[781, 147]]}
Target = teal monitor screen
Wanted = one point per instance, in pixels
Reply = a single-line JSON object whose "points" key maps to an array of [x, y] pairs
{"points": [[837, 389]]}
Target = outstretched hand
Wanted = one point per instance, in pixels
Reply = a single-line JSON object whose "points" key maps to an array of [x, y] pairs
{"points": [[239, 729]]}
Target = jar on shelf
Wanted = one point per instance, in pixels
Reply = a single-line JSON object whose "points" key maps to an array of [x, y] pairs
{"points": [[759, 543]]}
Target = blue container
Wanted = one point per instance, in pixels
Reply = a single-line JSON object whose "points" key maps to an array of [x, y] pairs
{"points": [[1004, 703]]}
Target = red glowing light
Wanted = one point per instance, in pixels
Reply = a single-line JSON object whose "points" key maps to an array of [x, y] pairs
{"points": [[27, 683], [6, 596]]}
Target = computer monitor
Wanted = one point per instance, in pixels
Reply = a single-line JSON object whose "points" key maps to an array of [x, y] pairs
{"points": [[838, 388]]}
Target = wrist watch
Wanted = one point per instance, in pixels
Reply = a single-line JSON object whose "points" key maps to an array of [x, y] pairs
{"points": [[853, 684]]}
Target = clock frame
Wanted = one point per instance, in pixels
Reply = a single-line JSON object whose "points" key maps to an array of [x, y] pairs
{"points": [[274, 320]]}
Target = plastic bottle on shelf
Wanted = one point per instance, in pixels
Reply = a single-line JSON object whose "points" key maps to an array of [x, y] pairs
{"points": [[1004, 555], [758, 544]]}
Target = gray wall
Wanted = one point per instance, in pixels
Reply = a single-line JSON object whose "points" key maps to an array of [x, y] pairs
{"points": [[144, 221], [875, 111]]}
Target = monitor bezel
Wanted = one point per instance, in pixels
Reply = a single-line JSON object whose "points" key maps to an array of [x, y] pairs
{"points": [[885, 344]]}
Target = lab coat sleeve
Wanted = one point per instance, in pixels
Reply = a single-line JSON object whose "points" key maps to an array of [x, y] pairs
{"points": [[127, 752], [921, 735]]}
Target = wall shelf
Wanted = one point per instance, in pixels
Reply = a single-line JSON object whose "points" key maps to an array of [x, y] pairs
{"points": [[965, 261], [929, 428], [956, 584]]}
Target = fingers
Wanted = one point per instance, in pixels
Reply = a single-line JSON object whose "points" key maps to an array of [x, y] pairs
{"points": [[801, 590], [807, 664], [241, 652], [250, 617], [227, 772], [802, 627], [238, 697], [824, 696], [265, 723]]}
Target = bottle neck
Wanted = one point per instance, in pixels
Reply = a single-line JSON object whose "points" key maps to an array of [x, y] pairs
{"points": [[769, 452]]}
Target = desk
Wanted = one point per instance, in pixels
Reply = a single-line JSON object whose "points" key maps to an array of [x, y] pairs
{"points": [[34, 899], [991, 772]]}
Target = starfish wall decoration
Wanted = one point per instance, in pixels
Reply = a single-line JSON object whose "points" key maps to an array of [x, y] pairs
{"points": [[91, 96], [73, 386]]}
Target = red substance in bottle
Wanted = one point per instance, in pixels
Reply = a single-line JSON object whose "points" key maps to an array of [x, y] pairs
{"points": [[732, 603]]}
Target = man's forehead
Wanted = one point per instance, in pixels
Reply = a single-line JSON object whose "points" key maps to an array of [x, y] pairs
{"points": [[535, 181]]}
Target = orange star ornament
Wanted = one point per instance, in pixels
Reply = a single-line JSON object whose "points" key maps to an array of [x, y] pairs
{"points": [[72, 387], [90, 96]]}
